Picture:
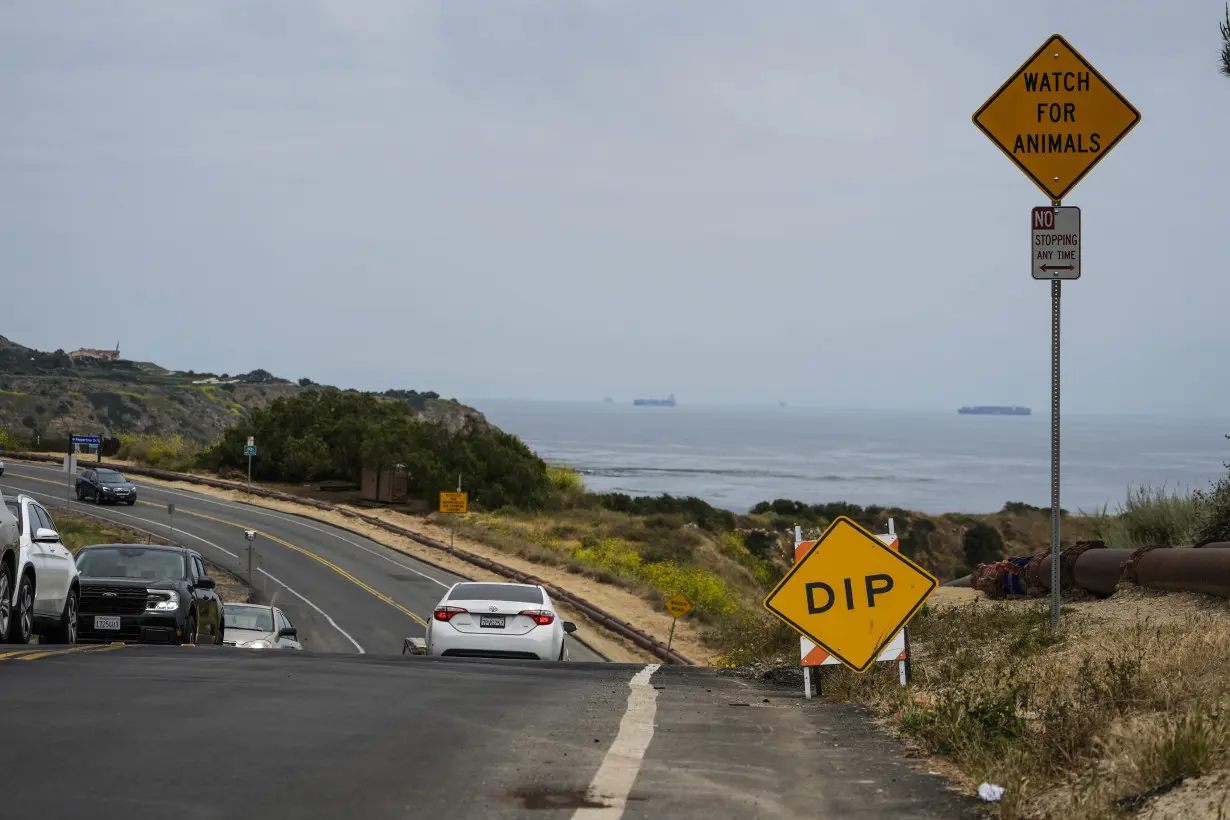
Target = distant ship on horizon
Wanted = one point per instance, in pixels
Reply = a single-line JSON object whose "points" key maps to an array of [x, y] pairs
{"points": [[669, 401], [995, 410]]}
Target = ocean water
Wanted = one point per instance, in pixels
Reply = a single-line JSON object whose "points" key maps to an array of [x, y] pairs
{"points": [[734, 457]]}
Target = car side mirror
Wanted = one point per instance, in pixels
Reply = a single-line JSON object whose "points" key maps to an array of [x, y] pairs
{"points": [[288, 632], [43, 535], [205, 582], [570, 627]]}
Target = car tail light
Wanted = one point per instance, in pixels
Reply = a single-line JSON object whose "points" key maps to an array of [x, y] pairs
{"points": [[444, 613], [540, 616]]}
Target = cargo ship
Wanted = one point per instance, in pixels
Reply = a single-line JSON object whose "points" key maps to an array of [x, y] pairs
{"points": [[994, 410], [669, 401]]}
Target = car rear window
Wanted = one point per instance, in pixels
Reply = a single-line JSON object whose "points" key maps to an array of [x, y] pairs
{"points": [[496, 592]]}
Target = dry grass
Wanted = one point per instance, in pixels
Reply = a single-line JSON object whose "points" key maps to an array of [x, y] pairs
{"points": [[1150, 515], [1125, 704]]}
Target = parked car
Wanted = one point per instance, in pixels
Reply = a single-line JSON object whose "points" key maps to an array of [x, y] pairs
{"points": [[498, 620], [10, 549], [102, 486], [1, 468], [39, 588], [256, 626], [142, 593]]}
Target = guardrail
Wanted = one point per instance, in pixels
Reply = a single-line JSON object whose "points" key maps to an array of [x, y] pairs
{"points": [[604, 619]]}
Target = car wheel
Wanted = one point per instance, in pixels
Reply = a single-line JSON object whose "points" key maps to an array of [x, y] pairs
{"points": [[66, 630], [80, 494], [22, 625], [131, 501], [98, 498], [190, 631], [6, 600]]}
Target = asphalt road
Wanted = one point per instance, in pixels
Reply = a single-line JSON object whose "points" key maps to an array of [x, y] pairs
{"points": [[207, 732], [345, 593]]}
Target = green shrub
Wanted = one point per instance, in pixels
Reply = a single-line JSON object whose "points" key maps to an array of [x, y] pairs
{"points": [[1213, 515], [565, 479], [10, 442], [692, 510], [981, 544], [173, 453], [332, 434]]}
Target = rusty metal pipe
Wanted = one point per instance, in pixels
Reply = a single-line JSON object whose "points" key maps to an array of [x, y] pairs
{"points": [[1174, 569], [1096, 570], [1205, 570]]}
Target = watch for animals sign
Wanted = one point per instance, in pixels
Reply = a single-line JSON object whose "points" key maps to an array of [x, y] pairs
{"points": [[1056, 117], [1056, 242]]}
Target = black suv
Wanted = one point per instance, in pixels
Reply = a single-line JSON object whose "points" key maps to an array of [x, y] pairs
{"points": [[141, 593], [102, 485]]}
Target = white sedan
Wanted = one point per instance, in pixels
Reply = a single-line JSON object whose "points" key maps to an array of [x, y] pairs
{"points": [[498, 620], [256, 626]]}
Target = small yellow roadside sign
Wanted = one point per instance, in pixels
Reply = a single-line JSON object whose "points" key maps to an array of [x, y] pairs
{"points": [[1056, 117], [850, 594], [678, 605], [453, 502]]}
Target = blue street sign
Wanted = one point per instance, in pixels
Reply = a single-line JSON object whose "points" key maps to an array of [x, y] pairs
{"points": [[95, 440]]}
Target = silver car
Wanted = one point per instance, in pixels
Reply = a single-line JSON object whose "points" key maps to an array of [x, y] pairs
{"points": [[256, 626]]}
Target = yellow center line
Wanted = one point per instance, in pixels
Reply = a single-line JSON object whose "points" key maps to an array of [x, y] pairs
{"points": [[316, 557], [78, 648], [4, 655], [286, 544]]}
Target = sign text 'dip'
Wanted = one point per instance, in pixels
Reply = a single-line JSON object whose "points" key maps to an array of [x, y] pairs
{"points": [[850, 594]]}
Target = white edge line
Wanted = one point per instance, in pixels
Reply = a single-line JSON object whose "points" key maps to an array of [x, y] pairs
{"points": [[277, 581], [289, 519], [324, 614], [616, 775]]}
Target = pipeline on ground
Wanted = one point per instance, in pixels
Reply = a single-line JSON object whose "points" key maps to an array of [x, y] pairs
{"points": [[1097, 569]]}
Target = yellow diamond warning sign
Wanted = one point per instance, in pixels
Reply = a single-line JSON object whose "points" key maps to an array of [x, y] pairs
{"points": [[1056, 117], [678, 605], [850, 594]]}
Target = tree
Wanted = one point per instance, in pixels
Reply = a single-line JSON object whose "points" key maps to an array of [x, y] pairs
{"points": [[982, 544], [1225, 43]]}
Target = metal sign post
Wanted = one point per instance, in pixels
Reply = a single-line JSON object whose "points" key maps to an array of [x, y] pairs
{"points": [[453, 504], [250, 451], [1055, 118], [251, 536], [1056, 291], [1055, 254], [677, 605]]}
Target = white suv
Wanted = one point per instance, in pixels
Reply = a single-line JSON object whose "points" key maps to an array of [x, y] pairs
{"points": [[38, 579]]}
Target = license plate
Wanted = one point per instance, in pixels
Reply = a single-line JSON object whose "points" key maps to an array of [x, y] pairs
{"points": [[491, 621], [106, 622]]}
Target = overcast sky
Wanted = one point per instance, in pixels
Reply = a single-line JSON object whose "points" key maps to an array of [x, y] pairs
{"points": [[730, 201]]}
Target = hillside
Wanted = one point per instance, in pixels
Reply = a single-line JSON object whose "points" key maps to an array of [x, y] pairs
{"points": [[48, 395]]}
